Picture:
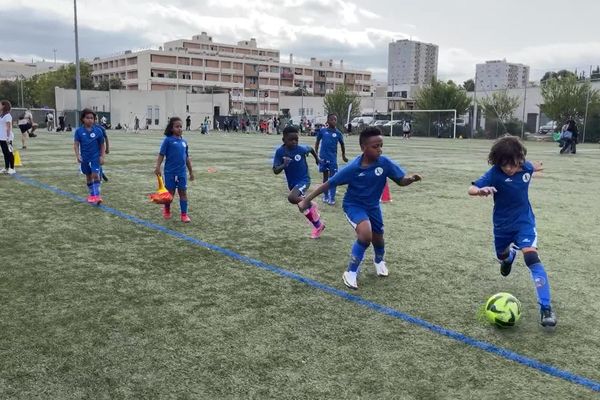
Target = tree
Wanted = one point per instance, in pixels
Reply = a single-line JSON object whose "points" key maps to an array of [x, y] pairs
{"points": [[566, 98], [563, 73], [9, 90], [499, 105], [440, 95], [338, 102], [112, 83], [469, 85], [39, 89]]}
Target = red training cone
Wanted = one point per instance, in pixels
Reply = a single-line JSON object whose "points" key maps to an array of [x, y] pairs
{"points": [[386, 197]]}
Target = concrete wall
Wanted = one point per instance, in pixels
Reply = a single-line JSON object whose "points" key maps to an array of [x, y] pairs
{"points": [[157, 106]]}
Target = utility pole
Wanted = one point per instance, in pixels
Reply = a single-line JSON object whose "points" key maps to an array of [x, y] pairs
{"points": [[524, 103], [587, 104], [77, 66], [54, 50]]}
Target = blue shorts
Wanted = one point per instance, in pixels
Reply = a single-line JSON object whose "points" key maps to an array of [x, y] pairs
{"points": [[525, 237], [328, 165], [90, 167], [356, 215], [301, 186], [173, 181]]}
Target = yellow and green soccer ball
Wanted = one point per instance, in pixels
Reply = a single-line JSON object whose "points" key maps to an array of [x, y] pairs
{"points": [[503, 310]]}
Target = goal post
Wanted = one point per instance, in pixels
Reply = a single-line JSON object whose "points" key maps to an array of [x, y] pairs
{"points": [[427, 123]]}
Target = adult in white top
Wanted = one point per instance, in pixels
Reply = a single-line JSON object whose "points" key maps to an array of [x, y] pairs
{"points": [[6, 137], [27, 127]]}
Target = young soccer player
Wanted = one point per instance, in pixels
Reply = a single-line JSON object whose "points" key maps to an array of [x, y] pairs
{"points": [[291, 158], [330, 136], [89, 150], [514, 223], [365, 176], [6, 138], [174, 151]]}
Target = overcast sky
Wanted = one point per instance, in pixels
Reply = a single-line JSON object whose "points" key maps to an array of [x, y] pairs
{"points": [[544, 34]]}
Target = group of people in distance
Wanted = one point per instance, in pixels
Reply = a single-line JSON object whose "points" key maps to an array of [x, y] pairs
{"points": [[507, 181]]}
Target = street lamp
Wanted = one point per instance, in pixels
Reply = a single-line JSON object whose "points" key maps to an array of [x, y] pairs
{"points": [[302, 88], [77, 66]]}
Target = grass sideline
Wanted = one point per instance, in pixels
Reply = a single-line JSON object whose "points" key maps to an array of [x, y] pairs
{"points": [[121, 311]]}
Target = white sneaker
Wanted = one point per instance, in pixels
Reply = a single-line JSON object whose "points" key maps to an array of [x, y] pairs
{"points": [[381, 269], [3, 171], [350, 279], [11, 171]]}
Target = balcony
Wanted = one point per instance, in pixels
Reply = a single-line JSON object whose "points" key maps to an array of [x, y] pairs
{"points": [[265, 74]]}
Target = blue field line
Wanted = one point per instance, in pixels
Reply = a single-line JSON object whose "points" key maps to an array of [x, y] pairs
{"points": [[459, 337]]}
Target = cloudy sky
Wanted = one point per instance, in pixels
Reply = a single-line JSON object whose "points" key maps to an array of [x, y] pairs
{"points": [[545, 34]]}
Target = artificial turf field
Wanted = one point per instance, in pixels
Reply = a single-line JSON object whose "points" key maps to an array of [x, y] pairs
{"points": [[94, 305]]}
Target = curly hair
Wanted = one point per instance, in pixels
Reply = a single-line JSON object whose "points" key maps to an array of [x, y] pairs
{"points": [[507, 150]]}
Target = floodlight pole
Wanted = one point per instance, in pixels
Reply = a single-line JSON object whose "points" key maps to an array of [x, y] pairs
{"points": [[77, 66], [524, 104], [587, 104]]}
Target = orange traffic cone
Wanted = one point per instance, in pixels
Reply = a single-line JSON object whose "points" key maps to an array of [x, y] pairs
{"points": [[17, 159], [386, 197]]}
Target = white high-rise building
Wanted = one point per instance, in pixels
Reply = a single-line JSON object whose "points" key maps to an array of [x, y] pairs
{"points": [[410, 65], [500, 74]]}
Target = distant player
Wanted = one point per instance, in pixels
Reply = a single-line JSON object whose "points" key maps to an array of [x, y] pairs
{"points": [[291, 158], [89, 147], [514, 223], [175, 152], [406, 129], [330, 136], [365, 176]]}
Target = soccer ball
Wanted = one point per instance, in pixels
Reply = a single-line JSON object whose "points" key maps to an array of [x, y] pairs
{"points": [[503, 310]]}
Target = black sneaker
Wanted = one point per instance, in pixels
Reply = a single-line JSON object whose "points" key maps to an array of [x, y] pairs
{"points": [[506, 264], [548, 317]]}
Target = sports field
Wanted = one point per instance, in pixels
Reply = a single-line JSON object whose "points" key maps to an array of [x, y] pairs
{"points": [[115, 302]]}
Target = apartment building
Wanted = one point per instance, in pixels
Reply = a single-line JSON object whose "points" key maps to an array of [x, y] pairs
{"points": [[411, 64], [500, 74], [254, 77]]}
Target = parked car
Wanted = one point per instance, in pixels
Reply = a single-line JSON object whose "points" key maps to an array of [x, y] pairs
{"points": [[550, 126]]}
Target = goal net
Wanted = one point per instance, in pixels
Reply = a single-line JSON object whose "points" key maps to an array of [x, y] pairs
{"points": [[424, 123], [39, 115]]}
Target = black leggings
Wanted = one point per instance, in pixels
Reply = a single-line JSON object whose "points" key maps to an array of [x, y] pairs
{"points": [[7, 151]]}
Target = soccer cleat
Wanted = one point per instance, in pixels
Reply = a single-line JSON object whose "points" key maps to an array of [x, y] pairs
{"points": [[316, 232], [381, 269], [3, 171], [91, 199], [350, 279], [97, 200], [11, 171], [325, 199], [185, 218], [548, 317], [506, 264], [166, 213]]}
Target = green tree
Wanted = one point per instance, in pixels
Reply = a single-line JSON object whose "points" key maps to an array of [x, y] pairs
{"points": [[441, 95], [338, 102], [469, 85], [566, 98], [39, 90], [499, 105], [113, 83], [563, 73], [9, 90]]}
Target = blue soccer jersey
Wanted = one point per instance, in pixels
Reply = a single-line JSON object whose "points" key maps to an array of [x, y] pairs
{"points": [[512, 210], [175, 150], [365, 184], [329, 142], [90, 141], [297, 170]]}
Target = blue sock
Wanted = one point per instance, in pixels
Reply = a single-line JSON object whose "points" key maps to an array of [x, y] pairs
{"points": [[90, 188], [183, 205], [379, 253], [542, 286], [357, 255], [332, 194], [96, 188]]}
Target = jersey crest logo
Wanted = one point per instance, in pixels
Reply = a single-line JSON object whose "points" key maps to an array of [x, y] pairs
{"points": [[92, 135], [297, 157], [334, 135], [378, 171], [526, 177]]}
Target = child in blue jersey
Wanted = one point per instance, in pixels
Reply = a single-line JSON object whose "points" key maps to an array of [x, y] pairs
{"points": [[330, 136], [291, 158], [514, 223], [89, 147], [365, 176], [174, 151]]}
